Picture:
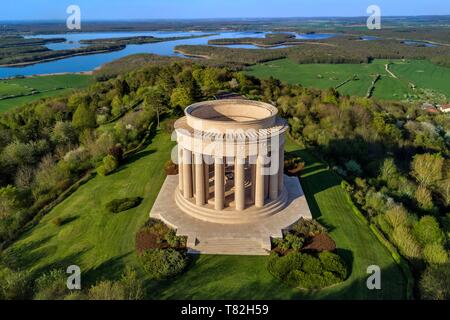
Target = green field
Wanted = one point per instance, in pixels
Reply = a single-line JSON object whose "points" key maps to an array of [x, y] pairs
{"points": [[102, 243], [34, 88], [421, 73]]}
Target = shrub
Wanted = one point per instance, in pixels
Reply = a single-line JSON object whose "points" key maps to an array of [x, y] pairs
{"points": [[435, 253], [101, 171], [435, 283], [170, 168], [14, 285], [119, 205], [308, 228], [427, 231], [110, 164], [76, 295], [116, 152], [51, 286], [129, 287], [353, 167], [162, 264], [57, 222], [307, 271], [321, 242], [333, 263], [107, 290], [293, 165], [157, 235], [132, 286]]}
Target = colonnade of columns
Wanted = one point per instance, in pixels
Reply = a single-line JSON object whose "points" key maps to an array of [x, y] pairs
{"points": [[194, 176]]}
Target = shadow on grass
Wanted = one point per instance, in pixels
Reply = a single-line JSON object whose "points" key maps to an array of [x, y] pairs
{"points": [[135, 157], [26, 254], [109, 269], [68, 220]]}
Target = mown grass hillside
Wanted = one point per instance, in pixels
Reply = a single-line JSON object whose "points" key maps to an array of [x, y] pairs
{"points": [[17, 92]]}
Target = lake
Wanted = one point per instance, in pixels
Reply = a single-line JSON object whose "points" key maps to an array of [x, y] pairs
{"points": [[90, 62]]}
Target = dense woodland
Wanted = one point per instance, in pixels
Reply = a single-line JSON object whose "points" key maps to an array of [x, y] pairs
{"points": [[394, 156]]}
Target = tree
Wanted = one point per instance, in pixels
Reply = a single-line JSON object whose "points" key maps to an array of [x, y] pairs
{"points": [[435, 253], [51, 286], [427, 168], [427, 231], [12, 199], [444, 189], [14, 285], [110, 164], [84, 117], [424, 198], [63, 133], [435, 282], [406, 242], [156, 101], [389, 173], [181, 97], [397, 216], [133, 287]]}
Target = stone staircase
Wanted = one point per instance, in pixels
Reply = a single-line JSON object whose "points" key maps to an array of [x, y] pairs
{"points": [[229, 246]]}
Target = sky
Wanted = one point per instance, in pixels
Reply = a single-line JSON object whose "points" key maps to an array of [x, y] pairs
{"points": [[193, 9]]}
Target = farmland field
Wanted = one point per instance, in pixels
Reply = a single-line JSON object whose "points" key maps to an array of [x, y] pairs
{"points": [[17, 92], [395, 86]]}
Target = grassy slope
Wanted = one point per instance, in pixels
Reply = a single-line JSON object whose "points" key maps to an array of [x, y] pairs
{"points": [[424, 74], [98, 241], [102, 243], [56, 84], [433, 76]]}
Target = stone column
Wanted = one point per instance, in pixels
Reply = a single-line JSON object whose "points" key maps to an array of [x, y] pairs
{"points": [[180, 168], [206, 177], [259, 182], [199, 180], [281, 172], [273, 185], [239, 184], [187, 174], [253, 180], [219, 174], [266, 185]]}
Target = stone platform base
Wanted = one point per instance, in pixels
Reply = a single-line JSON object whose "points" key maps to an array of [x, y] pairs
{"points": [[234, 239]]}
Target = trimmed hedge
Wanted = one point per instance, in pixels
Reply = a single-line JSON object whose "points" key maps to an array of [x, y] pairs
{"points": [[119, 205]]}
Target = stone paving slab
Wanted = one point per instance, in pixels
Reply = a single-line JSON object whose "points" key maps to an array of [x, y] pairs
{"points": [[239, 237]]}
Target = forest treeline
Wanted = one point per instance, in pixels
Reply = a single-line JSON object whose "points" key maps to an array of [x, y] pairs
{"points": [[340, 49]]}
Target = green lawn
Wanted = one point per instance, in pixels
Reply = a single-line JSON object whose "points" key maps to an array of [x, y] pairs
{"points": [[47, 86], [102, 243], [98, 241], [422, 73]]}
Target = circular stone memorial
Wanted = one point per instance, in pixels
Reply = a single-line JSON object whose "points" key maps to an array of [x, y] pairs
{"points": [[231, 195]]}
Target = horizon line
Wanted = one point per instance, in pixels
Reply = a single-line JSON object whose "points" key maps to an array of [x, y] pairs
{"points": [[220, 18]]}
